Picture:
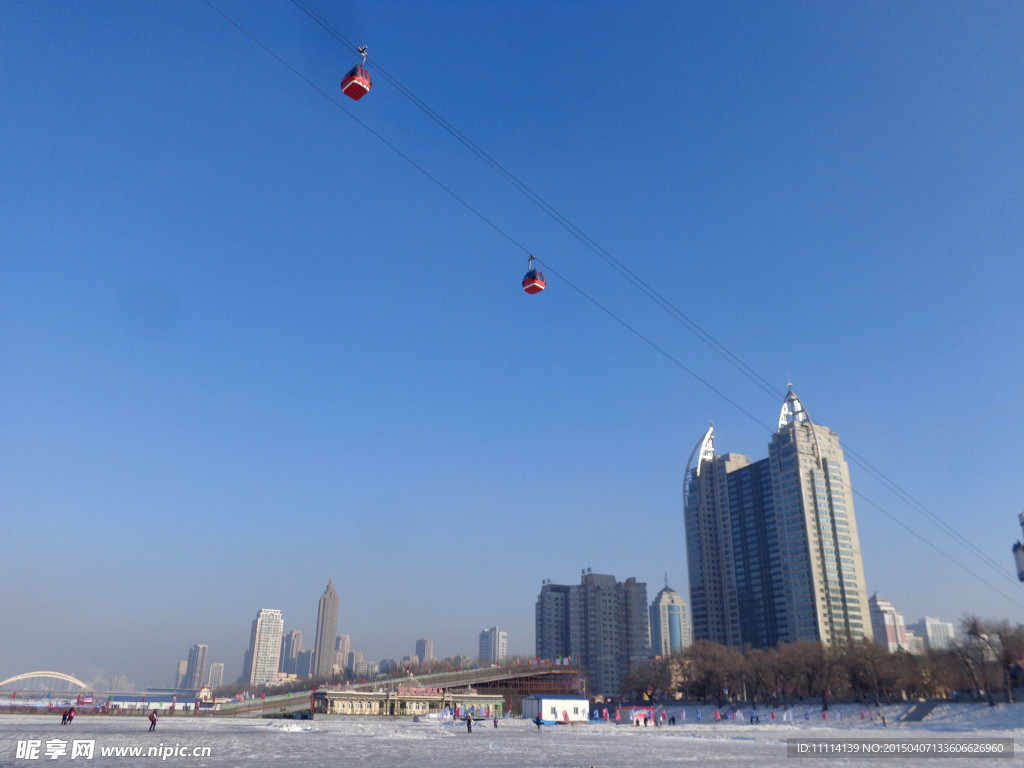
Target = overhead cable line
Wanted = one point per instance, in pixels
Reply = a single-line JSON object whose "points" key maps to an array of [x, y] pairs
{"points": [[552, 212], [942, 552], [882, 478], [632, 277], [622, 269], [476, 212]]}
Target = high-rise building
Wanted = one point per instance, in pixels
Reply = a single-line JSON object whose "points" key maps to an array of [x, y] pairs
{"points": [[707, 537], [552, 620], [246, 666], [179, 678], [425, 649], [605, 623], [915, 644], [119, 683], [823, 582], [609, 628], [342, 645], [937, 635], [670, 624], [326, 632], [195, 670], [365, 670], [354, 658], [887, 624], [291, 644], [758, 614], [772, 546], [216, 676], [304, 663], [264, 652], [493, 646]]}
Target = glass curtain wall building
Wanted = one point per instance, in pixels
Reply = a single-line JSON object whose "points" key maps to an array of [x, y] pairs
{"points": [[670, 624]]}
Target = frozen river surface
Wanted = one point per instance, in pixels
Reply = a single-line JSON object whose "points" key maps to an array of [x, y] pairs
{"points": [[27, 740]]}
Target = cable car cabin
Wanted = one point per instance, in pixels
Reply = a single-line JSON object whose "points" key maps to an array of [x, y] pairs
{"points": [[534, 281], [356, 83]]}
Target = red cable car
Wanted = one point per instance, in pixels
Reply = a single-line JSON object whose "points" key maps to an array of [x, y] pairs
{"points": [[357, 82], [534, 281]]}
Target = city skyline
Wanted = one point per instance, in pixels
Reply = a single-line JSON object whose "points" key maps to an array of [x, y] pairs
{"points": [[229, 306], [553, 608]]}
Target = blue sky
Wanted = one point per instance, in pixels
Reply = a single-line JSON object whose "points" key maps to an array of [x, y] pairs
{"points": [[247, 347]]}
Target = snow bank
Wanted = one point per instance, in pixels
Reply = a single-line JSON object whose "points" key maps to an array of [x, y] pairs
{"points": [[339, 742]]}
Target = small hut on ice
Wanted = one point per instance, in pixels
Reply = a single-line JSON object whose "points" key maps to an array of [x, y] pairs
{"points": [[552, 709]]}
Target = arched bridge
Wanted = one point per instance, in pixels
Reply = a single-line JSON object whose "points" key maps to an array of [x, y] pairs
{"points": [[44, 674]]}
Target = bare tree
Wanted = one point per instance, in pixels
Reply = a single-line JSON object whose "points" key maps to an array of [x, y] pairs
{"points": [[821, 667], [649, 678], [866, 664], [775, 677], [945, 673], [971, 664], [709, 669], [908, 673], [758, 674], [979, 649], [791, 672], [1002, 641]]}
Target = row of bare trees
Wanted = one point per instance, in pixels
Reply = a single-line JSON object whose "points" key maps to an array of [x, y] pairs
{"points": [[987, 660]]}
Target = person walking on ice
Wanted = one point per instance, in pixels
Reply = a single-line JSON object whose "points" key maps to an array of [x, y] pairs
{"points": [[152, 719]]}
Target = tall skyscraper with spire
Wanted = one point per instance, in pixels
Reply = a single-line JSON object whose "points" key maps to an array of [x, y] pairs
{"points": [[772, 546], [708, 540], [326, 632]]}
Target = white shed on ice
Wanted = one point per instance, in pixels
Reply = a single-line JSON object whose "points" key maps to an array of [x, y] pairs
{"points": [[553, 709]]}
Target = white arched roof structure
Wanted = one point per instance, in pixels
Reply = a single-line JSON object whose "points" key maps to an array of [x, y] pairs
{"points": [[57, 675]]}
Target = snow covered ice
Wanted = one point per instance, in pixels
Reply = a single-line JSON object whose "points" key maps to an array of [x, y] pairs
{"points": [[370, 742]]}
